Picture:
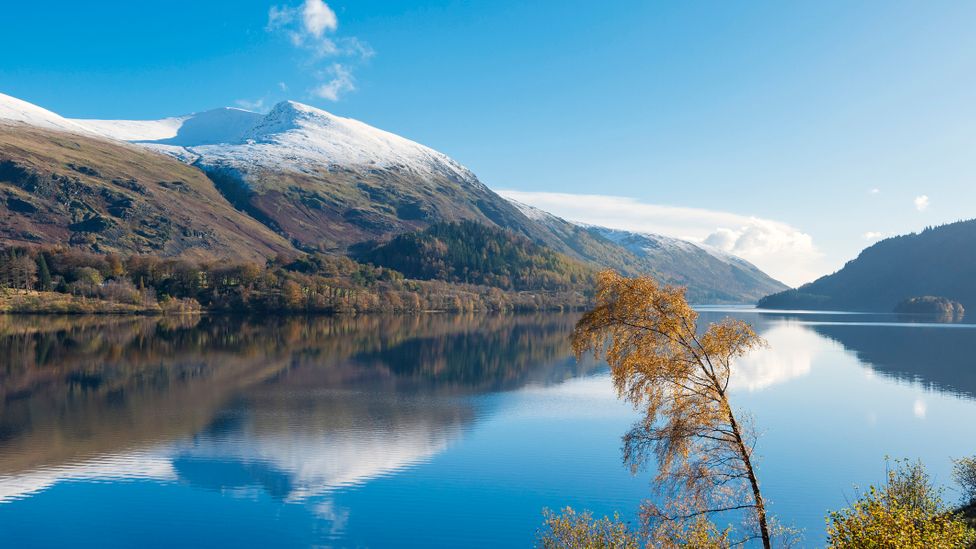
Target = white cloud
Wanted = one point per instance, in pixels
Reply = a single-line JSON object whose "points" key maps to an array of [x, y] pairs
{"points": [[318, 17], [873, 235], [340, 81], [310, 27], [875, 190], [921, 203], [786, 253]]}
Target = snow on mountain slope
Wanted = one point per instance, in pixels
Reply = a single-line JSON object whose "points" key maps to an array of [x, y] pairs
{"points": [[135, 130], [223, 125], [292, 135], [15, 110], [639, 243], [642, 244], [649, 244], [534, 213], [306, 138]]}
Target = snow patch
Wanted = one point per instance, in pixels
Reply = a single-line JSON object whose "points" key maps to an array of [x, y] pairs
{"points": [[224, 125], [642, 244], [136, 130], [15, 110], [532, 212]]}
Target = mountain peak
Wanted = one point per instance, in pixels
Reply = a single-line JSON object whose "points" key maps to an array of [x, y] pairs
{"points": [[302, 136], [289, 115]]}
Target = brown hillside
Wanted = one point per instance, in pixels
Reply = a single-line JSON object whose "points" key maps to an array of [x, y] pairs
{"points": [[61, 188]]}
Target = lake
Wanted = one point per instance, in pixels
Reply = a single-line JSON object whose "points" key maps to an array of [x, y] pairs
{"points": [[427, 431]]}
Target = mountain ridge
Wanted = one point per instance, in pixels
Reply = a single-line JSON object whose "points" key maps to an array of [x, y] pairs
{"points": [[710, 275], [325, 183]]}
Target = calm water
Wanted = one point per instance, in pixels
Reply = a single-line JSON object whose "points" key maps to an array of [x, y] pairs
{"points": [[436, 431]]}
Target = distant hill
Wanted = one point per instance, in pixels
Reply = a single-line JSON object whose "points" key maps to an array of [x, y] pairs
{"points": [[939, 261], [711, 276]]}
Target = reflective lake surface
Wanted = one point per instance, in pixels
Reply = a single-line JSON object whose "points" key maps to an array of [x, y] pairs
{"points": [[430, 431]]}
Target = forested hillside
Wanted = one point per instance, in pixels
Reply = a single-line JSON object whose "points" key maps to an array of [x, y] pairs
{"points": [[939, 261], [62, 280], [472, 253]]}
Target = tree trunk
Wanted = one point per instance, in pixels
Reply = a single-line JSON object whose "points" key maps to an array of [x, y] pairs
{"points": [[756, 494]]}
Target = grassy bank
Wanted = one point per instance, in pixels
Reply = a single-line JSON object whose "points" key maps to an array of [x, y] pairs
{"points": [[36, 302]]}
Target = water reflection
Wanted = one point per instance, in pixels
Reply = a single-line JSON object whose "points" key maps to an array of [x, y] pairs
{"points": [[368, 426], [939, 357], [296, 407], [790, 354]]}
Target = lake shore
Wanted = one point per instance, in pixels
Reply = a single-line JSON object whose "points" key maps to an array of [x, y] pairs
{"points": [[37, 302]]}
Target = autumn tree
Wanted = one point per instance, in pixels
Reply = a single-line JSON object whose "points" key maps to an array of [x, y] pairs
{"points": [[17, 270], [292, 294], [679, 379]]}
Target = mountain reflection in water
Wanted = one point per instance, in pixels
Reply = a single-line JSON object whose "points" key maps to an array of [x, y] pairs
{"points": [[296, 406], [941, 357]]}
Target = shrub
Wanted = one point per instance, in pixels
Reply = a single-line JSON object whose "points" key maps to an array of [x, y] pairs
{"points": [[964, 473], [572, 530], [170, 305], [121, 291], [906, 512]]}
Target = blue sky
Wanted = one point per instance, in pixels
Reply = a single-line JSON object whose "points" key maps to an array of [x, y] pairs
{"points": [[793, 134]]}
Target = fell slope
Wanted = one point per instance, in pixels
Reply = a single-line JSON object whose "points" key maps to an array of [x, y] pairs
{"points": [[939, 261], [107, 196], [322, 181], [16, 111]]}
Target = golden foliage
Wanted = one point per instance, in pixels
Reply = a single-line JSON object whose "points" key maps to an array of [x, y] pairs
{"points": [[905, 513], [572, 530], [679, 378]]}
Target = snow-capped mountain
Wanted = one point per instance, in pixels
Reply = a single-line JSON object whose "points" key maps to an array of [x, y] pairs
{"points": [[317, 181], [298, 136]]}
